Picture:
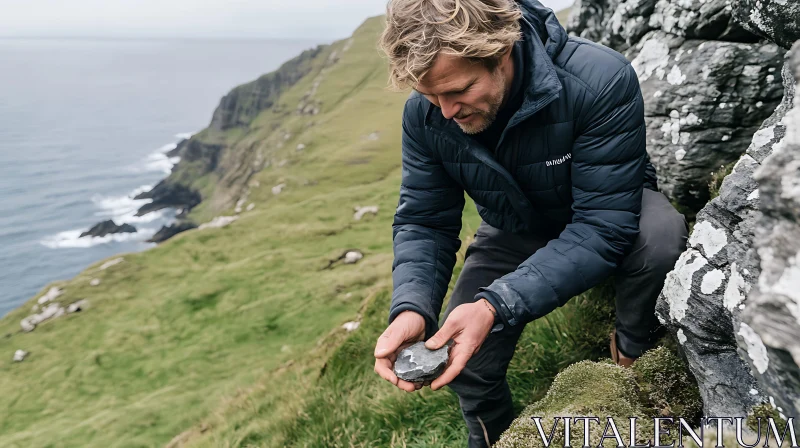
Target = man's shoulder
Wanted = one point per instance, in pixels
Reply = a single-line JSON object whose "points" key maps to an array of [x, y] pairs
{"points": [[590, 64], [415, 110]]}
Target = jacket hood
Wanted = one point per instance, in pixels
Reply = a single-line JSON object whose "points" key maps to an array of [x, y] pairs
{"points": [[543, 39]]}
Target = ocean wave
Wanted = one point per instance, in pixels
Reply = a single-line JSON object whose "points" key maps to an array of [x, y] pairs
{"points": [[158, 161], [122, 209], [185, 135], [70, 239]]}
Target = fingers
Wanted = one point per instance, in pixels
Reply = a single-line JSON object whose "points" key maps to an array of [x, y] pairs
{"points": [[388, 342], [383, 367], [448, 330], [457, 364]]}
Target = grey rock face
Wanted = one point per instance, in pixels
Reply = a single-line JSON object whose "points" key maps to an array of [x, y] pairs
{"points": [[704, 297], [703, 102], [417, 364], [770, 328], [707, 83], [777, 20]]}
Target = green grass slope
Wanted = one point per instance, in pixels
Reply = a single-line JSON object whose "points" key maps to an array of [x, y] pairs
{"points": [[232, 336]]}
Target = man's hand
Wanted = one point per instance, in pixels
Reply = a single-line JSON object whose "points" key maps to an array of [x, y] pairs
{"points": [[407, 328], [468, 325]]}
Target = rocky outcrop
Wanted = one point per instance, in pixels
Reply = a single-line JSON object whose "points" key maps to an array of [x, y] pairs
{"points": [[777, 20], [705, 296], [216, 163], [167, 194], [167, 232], [108, 227], [242, 104], [706, 81], [770, 327]]}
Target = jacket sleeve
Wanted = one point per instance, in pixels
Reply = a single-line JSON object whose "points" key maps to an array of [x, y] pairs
{"points": [[426, 226], [608, 171]]}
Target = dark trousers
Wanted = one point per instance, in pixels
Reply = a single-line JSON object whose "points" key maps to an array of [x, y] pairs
{"points": [[481, 387]]}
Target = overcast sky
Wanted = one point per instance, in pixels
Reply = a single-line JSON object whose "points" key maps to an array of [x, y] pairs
{"points": [[326, 19]]}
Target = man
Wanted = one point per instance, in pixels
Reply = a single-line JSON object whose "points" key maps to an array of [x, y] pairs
{"points": [[546, 133]]}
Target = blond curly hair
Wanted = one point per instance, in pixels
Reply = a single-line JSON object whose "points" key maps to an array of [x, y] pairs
{"points": [[419, 30]]}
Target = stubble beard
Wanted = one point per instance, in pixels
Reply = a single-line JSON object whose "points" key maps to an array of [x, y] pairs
{"points": [[487, 117]]}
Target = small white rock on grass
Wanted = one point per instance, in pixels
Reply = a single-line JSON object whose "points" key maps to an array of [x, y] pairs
{"points": [[80, 305], [218, 222], [94, 282], [351, 326], [352, 257], [51, 294], [361, 211], [110, 263], [277, 189], [20, 355]]}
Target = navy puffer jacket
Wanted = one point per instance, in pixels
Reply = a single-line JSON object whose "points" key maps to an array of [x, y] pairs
{"points": [[579, 166]]}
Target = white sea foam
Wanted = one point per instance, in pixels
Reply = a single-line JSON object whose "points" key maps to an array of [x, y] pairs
{"points": [[185, 135], [158, 159], [122, 209], [71, 238]]}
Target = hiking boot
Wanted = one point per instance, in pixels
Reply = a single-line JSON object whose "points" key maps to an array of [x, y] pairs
{"points": [[616, 355]]}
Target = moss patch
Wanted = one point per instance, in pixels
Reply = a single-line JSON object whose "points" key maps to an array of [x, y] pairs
{"points": [[583, 389], [658, 385], [666, 386]]}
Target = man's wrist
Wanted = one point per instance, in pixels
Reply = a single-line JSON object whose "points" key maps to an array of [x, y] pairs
{"points": [[488, 305]]}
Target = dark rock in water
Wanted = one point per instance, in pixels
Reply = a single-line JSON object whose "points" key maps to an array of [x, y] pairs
{"points": [[168, 195], [417, 364], [168, 232], [108, 227]]}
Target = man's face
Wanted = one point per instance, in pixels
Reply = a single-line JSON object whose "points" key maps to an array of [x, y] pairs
{"points": [[466, 91]]}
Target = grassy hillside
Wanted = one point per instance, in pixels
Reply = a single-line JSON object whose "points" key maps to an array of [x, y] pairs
{"points": [[232, 336]]}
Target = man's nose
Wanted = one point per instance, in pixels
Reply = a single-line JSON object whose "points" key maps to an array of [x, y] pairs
{"points": [[449, 107]]}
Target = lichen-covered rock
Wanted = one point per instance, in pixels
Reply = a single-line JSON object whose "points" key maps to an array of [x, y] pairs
{"points": [[770, 327], [777, 20], [620, 24], [703, 102], [707, 83], [703, 297]]}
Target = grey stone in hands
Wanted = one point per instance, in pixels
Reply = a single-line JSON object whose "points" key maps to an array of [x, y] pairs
{"points": [[417, 364]]}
